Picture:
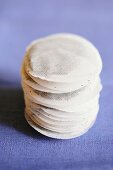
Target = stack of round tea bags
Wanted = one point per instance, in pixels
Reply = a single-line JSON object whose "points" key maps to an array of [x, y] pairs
{"points": [[61, 84]]}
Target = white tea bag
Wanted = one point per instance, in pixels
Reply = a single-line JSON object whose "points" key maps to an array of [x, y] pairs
{"points": [[62, 58]]}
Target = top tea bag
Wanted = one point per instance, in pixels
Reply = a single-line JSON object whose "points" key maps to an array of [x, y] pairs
{"points": [[62, 58]]}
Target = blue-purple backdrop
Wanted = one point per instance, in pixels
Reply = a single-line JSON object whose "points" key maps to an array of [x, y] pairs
{"points": [[22, 21]]}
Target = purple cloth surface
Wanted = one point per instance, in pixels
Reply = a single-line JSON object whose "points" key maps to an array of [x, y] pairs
{"points": [[21, 147]]}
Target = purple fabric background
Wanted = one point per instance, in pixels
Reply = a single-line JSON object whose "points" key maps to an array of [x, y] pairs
{"points": [[22, 21]]}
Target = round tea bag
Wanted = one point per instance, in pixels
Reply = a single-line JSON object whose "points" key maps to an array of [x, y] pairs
{"points": [[65, 87], [56, 135], [62, 58], [72, 98]]}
